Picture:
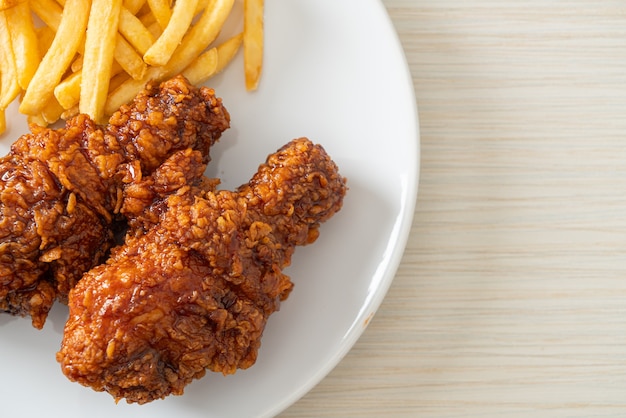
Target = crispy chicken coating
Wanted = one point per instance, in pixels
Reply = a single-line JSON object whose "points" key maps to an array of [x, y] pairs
{"points": [[63, 191], [194, 291]]}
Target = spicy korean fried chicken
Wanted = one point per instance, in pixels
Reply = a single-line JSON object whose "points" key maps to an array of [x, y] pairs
{"points": [[195, 291], [62, 192]]}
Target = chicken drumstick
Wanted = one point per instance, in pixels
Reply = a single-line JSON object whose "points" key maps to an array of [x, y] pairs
{"points": [[195, 291]]}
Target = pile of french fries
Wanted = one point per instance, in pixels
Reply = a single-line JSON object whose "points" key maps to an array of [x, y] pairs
{"points": [[64, 57]]}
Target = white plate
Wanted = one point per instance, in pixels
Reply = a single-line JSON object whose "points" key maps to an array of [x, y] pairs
{"points": [[334, 72]]}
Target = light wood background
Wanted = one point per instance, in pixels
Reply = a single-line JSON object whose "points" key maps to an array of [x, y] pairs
{"points": [[511, 297]]}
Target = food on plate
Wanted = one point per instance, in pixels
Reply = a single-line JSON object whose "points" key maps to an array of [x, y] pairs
{"points": [[97, 60], [177, 25], [253, 42], [194, 291], [9, 84], [92, 56], [66, 43], [23, 42], [5, 4], [62, 191], [161, 11], [213, 61]]}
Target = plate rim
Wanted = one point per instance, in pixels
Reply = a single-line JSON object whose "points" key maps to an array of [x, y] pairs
{"points": [[404, 226]]}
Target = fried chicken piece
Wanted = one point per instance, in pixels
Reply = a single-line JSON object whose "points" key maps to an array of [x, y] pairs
{"points": [[63, 191], [195, 291]]}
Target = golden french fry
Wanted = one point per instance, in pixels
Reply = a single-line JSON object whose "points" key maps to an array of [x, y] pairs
{"points": [[77, 64], [200, 36], [3, 121], [58, 58], [129, 59], [202, 4], [7, 4], [67, 92], [154, 29], [134, 6], [70, 113], [226, 51], [213, 61], [148, 19], [52, 111], [161, 11], [118, 79], [126, 58], [48, 11], [100, 45], [9, 86], [36, 120], [45, 36], [253, 42], [24, 42], [202, 68], [134, 31], [163, 48]]}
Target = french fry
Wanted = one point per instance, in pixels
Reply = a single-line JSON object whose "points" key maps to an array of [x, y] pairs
{"points": [[134, 31], [100, 45], [200, 36], [253, 42], [202, 68], [126, 58], [202, 4], [48, 11], [154, 29], [77, 64], [58, 58], [117, 80], [125, 54], [7, 4], [52, 111], [9, 86], [36, 120], [24, 42], [134, 6], [70, 113], [129, 59], [213, 61], [67, 92], [226, 51], [3, 121], [180, 20], [148, 19], [45, 36], [161, 11]]}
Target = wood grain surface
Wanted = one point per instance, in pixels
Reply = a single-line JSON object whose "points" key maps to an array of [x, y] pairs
{"points": [[511, 296]]}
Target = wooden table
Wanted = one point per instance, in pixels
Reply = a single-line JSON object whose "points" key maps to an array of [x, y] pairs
{"points": [[511, 297]]}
